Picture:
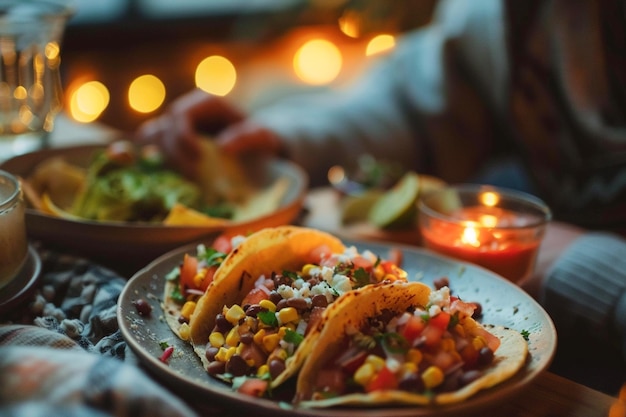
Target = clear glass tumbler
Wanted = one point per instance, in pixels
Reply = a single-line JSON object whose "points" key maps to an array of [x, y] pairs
{"points": [[30, 82]]}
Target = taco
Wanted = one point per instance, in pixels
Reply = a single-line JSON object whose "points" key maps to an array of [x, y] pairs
{"points": [[188, 281], [402, 343], [258, 317]]}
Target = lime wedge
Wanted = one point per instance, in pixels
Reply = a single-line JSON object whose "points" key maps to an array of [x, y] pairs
{"points": [[396, 208], [356, 208]]}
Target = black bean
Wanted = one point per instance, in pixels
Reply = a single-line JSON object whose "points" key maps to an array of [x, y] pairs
{"points": [[441, 282], [143, 307], [216, 368], [485, 356], [478, 310], [280, 279], [319, 300], [277, 366], [281, 304], [313, 281], [237, 366], [210, 353], [412, 383], [253, 310], [223, 325], [297, 303], [275, 297], [469, 376]]}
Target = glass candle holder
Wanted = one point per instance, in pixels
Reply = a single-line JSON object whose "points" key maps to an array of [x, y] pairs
{"points": [[13, 241], [497, 228]]}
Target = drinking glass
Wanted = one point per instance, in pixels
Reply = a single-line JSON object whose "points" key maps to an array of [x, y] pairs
{"points": [[30, 82], [13, 241]]}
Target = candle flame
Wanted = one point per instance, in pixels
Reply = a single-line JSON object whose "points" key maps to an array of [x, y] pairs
{"points": [[470, 236]]}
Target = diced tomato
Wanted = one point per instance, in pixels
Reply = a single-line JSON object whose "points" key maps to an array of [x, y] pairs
{"points": [[441, 320], [493, 342], [188, 271], [361, 262], [351, 359], [320, 253], [385, 380], [432, 335], [253, 386], [255, 296], [223, 243], [208, 277], [443, 359], [412, 328]]}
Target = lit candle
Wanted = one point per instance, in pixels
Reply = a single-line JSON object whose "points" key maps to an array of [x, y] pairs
{"points": [[474, 229]]}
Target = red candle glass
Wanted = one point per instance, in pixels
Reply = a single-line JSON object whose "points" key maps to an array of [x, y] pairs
{"points": [[497, 228]]}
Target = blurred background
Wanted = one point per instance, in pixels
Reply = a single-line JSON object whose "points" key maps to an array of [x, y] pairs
{"points": [[123, 61]]}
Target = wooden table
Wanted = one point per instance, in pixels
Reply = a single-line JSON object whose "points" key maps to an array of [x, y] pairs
{"points": [[547, 396]]}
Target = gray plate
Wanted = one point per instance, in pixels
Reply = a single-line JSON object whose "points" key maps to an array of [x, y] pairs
{"points": [[503, 304]]}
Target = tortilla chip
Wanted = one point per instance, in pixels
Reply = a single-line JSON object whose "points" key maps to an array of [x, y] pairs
{"points": [[181, 215]]}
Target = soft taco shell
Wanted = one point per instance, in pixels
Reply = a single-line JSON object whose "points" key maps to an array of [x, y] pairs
{"points": [[351, 311], [266, 251]]}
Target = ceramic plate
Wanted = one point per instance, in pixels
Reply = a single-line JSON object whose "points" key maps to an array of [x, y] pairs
{"points": [[503, 304], [129, 246]]}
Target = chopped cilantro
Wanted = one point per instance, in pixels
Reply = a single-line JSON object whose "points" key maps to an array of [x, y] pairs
{"points": [[293, 337], [290, 274], [525, 334], [361, 277], [173, 274], [176, 295], [213, 257], [163, 345], [268, 318], [394, 343], [454, 320]]}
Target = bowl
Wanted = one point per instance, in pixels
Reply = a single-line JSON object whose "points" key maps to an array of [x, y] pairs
{"points": [[126, 246]]}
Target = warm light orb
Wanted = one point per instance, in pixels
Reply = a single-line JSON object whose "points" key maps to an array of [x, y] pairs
{"points": [[380, 44], [489, 198], [470, 236], [146, 93], [216, 75], [88, 101], [350, 24], [317, 62]]}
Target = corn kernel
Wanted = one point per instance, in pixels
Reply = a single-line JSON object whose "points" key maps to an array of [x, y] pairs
{"points": [[199, 277], [379, 273], [240, 348], [478, 342], [448, 345], [270, 342], [258, 337], [267, 304], [216, 339], [188, 309], [432, 377], [184, 331], [364, 374], [263, 370], [306, 269], [390, 277], [224, 354], [376, 361], [234, 314], [414, 356], [287, 314], [408, 368], [459, 330], [232, 338]]}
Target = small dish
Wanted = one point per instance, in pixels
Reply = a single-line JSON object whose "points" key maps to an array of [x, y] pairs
{"points": [[502, 302], [23, 284]]}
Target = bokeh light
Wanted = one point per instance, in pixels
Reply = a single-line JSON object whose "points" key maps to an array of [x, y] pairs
{"points": [[146, 93], [216, 75], [88, 101], [380, 44], [318, 62]]}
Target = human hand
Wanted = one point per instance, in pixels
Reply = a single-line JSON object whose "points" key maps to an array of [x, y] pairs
{"points": [[197, 115]]}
